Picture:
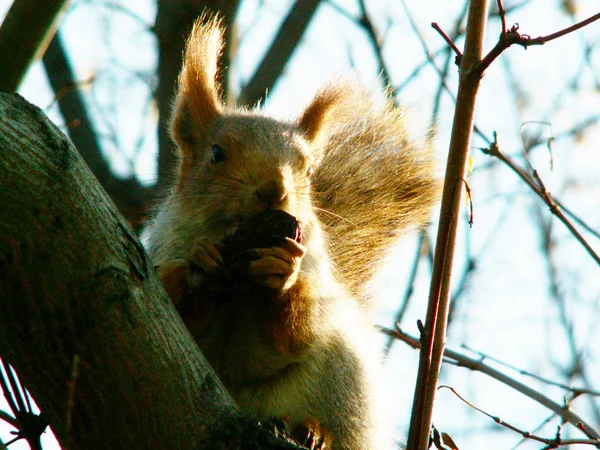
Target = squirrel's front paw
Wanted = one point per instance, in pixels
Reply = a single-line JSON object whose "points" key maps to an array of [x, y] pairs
{"points": [[312, 435], [204, 261], [275, 267]]}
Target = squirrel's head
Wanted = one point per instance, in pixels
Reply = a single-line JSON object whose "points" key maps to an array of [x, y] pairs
{"points": [[235, 163]]}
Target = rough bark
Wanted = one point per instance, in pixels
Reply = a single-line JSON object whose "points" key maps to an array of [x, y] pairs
{"points": [[83, 318]]}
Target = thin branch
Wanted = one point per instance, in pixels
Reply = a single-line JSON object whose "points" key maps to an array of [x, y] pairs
{"points": [[534, 182], [430, 58], [545, 422], [502, 14], [426, 51], [30, 426], [410, 287], [367, 24], [458, 53], [129, 195], [15, 388], [462, 360], [7, 393], [512, 36], [551, 443], [470, 264], [575, 391], [577, 219], [6, 417], [447, 67], [123, 10], [434, 335], [576, 366], [541, 40]]}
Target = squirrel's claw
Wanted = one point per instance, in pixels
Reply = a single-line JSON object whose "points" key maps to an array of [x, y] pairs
{"points": [[276, 267], [312, 435], [205, 259]]}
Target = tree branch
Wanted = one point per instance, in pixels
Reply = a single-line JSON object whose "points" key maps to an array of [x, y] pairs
{"points": [[129, 195], [434, 333], [85, 321], [25, 29], [284, 44], [462, 360], [535, 183], [512, 36]]}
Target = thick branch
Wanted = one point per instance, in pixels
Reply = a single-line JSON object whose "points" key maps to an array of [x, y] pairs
{"points": [[83, 318], [25, 29]]}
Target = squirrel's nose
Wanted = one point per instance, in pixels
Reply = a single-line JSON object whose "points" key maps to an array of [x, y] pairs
{"points": [[272, 193]]}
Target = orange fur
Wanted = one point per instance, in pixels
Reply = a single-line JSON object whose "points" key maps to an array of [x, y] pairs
{"points": [[198, 101], [290, 319]]}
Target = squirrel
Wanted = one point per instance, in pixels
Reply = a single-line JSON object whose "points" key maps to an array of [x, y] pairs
{"points": [[284, 326]]}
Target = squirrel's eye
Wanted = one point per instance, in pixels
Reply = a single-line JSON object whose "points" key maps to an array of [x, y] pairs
{"points": [[218, 154]]}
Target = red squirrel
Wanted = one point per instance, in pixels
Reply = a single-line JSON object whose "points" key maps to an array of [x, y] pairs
{"points": [[282, 325]]}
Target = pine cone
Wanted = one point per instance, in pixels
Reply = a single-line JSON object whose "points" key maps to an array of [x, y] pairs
{"points": [[267, 229]]}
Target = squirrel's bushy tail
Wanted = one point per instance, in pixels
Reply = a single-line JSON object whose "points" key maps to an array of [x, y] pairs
{"points": [[371, 184]]}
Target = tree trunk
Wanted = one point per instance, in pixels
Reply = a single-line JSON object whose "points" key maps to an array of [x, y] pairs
{"points": [[83, 318]]}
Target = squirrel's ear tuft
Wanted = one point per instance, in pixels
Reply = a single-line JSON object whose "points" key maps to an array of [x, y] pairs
{"points": [[198, 101], [320, 114]]}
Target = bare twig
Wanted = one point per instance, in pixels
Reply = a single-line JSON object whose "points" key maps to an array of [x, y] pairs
{"points": [[577, 219], [458, 53], [574, 390], [423, 241], [541, 40], [535, 183], [512, 36], [502, 14], [576, 367], [545, 422], [30, 426], [557, 441], [130, 195], [426, 51], [279, 53], [119, 8], [367, 24], [462, 360], [6, 417], [434, 335]]}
